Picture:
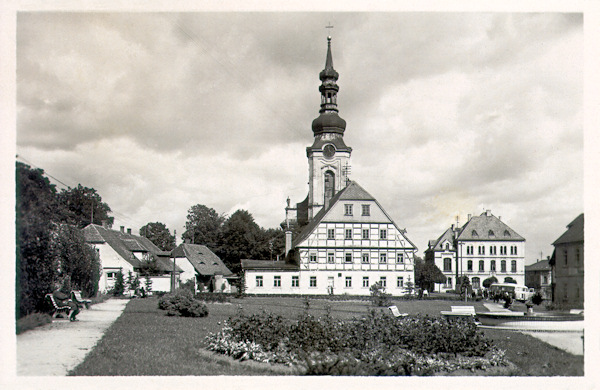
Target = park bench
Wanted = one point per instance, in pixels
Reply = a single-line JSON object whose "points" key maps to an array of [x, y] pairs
{"points": [[460, 311], [396, 312], [79, 300], [58, 309]]}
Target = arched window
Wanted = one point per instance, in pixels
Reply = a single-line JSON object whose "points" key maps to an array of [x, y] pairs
{"points": [[503, 266], [329, 186], [448, 246], [481, 266], [513, 266], [470, 265], [493, 265]]}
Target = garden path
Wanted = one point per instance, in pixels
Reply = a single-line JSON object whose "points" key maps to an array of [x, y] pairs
{"points": [[571, 342], [57, 348]]}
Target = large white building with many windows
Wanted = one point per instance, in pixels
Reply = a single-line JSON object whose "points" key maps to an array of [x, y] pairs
{"points": [[339, 240], [484, 247]]}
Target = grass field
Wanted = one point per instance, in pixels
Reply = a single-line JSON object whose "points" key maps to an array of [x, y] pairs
{"points": [[144, 341]]}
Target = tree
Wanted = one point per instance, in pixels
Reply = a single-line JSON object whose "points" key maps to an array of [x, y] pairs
{"points": [[237, 240], [203, 226], [489, 281], [270, 243], [119, 287], [160, 236], [84, 206], [463, 285], [36, 268], [427, 274], [76, 259]]}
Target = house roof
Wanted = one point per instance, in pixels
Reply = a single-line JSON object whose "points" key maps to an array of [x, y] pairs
{"points": [[202, 259], [248, 264], [488, 227], [574, 232], [542, 265], [125, 244], [447, 235], [352, 191]]}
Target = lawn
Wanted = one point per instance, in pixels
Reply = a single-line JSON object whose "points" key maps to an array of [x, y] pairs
{"points": [[144, 341]]}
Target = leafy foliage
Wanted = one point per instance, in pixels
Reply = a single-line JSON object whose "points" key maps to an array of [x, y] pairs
{"points": [[489, 281], [537, 298], [119, 287], [509, 279], [182, 303], [83, 206], [32, 321], [376, 344], [427, 274], [203, 226], [378, 295], [159, 234]]}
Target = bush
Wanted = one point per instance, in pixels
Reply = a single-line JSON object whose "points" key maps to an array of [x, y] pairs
{"points": [[377, 344], [182, 303], [378, 296], [537, 298], [32, 321], [213, 297]]}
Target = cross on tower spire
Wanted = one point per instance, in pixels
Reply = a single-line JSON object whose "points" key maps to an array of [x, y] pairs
{"points": [[329, 27]]}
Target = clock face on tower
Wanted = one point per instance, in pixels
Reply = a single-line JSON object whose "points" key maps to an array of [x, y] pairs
{"points": [[328, 151]]}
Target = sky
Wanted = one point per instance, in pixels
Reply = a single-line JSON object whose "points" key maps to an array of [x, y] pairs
{"points": [[448, 114]]}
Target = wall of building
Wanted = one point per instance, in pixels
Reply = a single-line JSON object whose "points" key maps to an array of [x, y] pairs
{"points": [[327, 282], [487, 256], [569, 275], [111, 262]]}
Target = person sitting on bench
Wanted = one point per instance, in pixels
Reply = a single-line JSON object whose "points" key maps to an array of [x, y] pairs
{"points": [[63, 298]]}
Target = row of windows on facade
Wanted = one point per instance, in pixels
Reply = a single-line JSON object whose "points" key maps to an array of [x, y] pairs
{"points": [[366, 234], [513, 265], [577, 257], [383, 258], [366, 209], [313, 281], [492, 251], [475, 282]]}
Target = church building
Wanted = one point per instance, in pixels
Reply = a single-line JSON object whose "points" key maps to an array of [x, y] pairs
{"points": [[339, 239]]}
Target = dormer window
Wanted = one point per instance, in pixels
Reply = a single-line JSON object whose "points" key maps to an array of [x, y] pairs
{"points": [[506, 233], [474, 234], [491, 233]]}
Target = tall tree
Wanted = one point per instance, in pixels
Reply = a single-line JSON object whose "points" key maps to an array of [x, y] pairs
{"points": [[203, 226], [427, 274], [238, 239], [76, 259], [159, 234], [84, 206], [36, 268]]}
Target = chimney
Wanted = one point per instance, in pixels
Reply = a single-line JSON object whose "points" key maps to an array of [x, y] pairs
{"points": [[122, 229], [500, 218], [468, 217], [488, 213], [129, 231], [288, 241]]}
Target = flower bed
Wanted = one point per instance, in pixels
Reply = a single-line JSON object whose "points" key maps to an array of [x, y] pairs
{"points": [[376, 344]]}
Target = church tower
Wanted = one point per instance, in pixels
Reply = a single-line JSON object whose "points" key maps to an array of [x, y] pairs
{"points": [[328, 156]]}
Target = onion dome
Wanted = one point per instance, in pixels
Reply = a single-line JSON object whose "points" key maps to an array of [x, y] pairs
{"points": [[328, 120]]}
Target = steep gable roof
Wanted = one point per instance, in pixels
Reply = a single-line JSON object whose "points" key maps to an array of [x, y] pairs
{"points": [[574, 232], [448, 235], [125, 244], [352, 191], [488, 227], [202, 258]]}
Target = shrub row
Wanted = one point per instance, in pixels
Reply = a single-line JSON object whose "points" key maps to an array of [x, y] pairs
{"points": [[182, 303], [213, 297], [32, 321], [373, 345]]}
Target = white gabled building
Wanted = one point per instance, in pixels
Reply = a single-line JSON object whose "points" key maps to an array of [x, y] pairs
{"points": [[345, 240], [483, 247], [345, 249]]}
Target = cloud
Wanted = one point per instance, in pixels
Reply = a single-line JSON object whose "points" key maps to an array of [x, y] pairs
{"points": [[448, 113]]}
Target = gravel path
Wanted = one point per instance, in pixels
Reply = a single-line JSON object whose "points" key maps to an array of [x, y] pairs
{"points": [[57, 348]]}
